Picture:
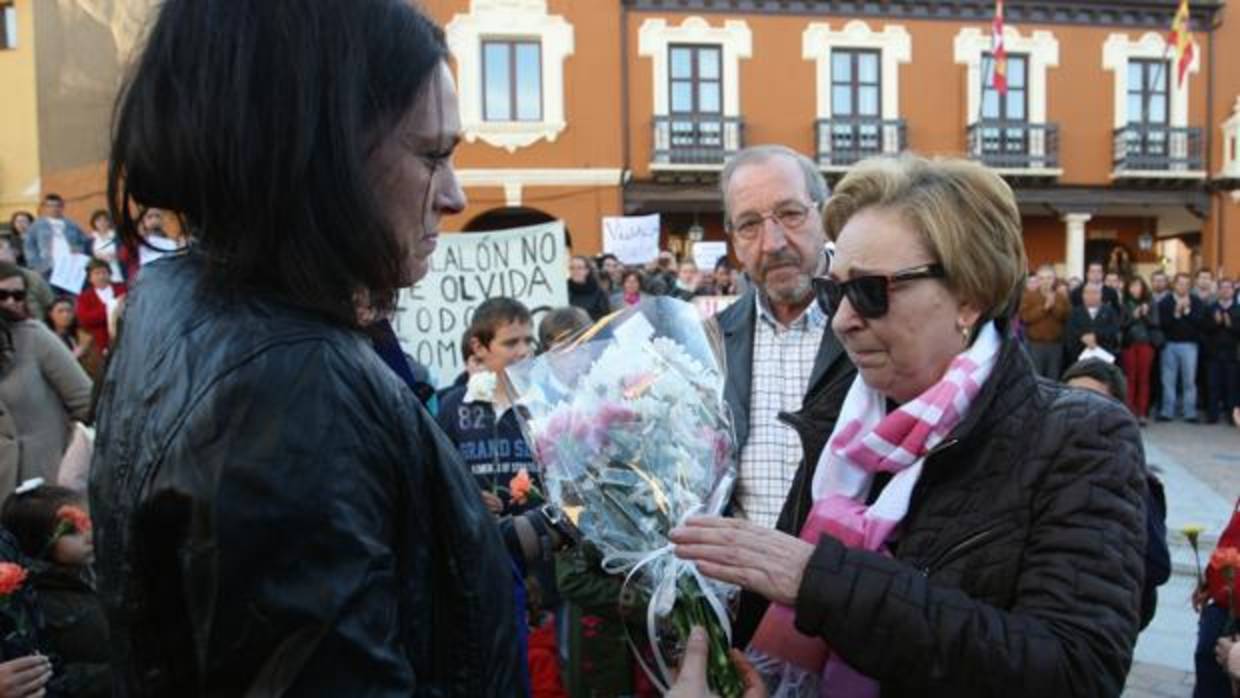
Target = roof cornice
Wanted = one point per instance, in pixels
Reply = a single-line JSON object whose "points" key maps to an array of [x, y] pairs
{"points": [[1117, 13]]}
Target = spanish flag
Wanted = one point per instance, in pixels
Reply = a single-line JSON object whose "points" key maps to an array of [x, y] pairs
{"points": [[998, 79], [1181, 41]]}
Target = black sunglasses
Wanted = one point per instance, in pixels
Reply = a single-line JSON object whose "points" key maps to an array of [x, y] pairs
{"points": [[12, 295], [868, 294]]}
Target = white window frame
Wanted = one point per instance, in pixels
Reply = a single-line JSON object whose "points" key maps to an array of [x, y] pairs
{"points": [[1042, 48], [516, 20], [1231, 144], [893, 43], [1117, 50], [734, 38], [9, 12]]}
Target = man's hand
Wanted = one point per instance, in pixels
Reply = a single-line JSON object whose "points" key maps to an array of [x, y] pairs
{"points": [[1090, 340], [25, 677]]}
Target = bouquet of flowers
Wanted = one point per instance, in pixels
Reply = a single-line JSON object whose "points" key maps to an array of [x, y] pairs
{"points": [[629, 425]]}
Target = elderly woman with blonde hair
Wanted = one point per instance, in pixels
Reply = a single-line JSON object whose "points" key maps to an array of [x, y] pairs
{"points": [[969, 529]]}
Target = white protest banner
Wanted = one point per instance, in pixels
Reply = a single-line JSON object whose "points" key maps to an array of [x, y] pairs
{"points": [[529, 264], [706, 254], [709, 306], [69, 272], [633, 239]]}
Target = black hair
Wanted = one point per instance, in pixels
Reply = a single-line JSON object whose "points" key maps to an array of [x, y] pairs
{"points": [[254, 120], [561, 324], [641, 278], [96, 263], [47, 317], [1145, 289], [493, 314], [50, 197], [467, 347], [13, 219], [95, 216], [31, 516], [1104, 372]]}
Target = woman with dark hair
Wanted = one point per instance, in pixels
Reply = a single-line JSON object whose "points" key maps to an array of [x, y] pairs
{"points": [[1140, 322], [632, 290], [105, 246], [19, 223], [62, 320], [275, 512], [99, 303], [583, 288]]}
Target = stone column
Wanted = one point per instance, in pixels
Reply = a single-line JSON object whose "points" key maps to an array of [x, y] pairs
{"points": [[1074, 257]]}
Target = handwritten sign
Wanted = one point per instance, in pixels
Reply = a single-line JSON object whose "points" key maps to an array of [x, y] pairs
{"points": [[529, 264], [707, 254], [633, 239]]}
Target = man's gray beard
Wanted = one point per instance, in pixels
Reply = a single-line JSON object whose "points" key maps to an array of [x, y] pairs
{"points": [[800, 294]]}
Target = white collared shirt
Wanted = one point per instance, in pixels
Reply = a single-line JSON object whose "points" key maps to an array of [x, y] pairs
{"points": [[783, 360]]}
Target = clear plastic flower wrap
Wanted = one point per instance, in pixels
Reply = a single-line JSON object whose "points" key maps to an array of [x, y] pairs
{"points": [[630, 428]]}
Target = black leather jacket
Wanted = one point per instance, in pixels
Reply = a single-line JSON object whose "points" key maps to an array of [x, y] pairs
{"points": [[276, 514], [1017, 571]]}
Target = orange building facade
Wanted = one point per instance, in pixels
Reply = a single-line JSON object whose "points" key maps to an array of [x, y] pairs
{"points": [[581, 109]]}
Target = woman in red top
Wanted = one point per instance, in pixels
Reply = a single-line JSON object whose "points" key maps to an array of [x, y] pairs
{"points": [[98, 301]]}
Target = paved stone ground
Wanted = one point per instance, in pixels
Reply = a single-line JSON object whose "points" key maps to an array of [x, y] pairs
{"points": [[1200, 468]]}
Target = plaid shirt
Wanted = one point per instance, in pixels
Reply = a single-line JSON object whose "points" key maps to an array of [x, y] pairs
{"points": [[783, 359]]}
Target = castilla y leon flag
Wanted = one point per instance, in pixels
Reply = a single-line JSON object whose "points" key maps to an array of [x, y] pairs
{"points": [[999, 77], [1179, 40]]}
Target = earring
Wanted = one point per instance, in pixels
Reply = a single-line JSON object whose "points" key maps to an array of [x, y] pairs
{"points": [[964, 332]]}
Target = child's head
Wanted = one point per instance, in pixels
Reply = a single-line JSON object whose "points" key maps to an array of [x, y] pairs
{"points": [[50, 523], [560, 325], [501, 333]]}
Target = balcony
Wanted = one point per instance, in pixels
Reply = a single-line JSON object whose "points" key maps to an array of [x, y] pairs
{"points": [[695, 142], [1155, 151], [1016, 148], [843, 141]]}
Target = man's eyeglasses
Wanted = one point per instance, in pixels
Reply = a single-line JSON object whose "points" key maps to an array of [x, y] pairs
{"points": [[790, 216], [869, 295], [18, 296]]}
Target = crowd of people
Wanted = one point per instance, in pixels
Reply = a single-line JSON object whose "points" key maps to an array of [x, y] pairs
{"points": [[1176, 337], [601, 285], [286, 504]]}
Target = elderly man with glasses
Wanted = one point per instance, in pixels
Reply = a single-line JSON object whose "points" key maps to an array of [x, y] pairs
{"points": [[785, 367]]}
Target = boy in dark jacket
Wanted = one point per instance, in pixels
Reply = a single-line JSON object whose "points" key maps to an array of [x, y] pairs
{"points": [[478, 416]]}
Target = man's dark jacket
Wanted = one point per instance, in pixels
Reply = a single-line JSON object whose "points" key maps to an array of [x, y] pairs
{"points": [[1017, 571], [277, 514], [1106, 327], [829, 381]]}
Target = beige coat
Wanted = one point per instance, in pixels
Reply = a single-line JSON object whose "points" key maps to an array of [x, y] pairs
{"points": [[41, 392]]}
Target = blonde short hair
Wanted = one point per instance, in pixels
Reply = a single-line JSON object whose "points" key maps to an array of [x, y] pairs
{"points": [[965, 214]]}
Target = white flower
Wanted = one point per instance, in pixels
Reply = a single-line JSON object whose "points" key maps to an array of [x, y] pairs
{"points": [[481, 387]]}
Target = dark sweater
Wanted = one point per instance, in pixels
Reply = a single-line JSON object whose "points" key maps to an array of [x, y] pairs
{"points": [[493, 451], [1189, 328], [1105, 326], [590, 297]]}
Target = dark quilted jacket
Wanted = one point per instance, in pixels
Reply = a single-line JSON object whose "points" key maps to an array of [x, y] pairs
{"points": [[1018, 569], [276, 514]]}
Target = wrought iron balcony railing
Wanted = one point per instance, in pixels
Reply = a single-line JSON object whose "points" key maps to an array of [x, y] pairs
{"points": [[1153, 148], [843, 141], [1014, 145], [696, 139]]}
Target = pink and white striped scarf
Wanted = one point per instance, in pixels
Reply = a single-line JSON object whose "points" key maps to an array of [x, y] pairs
{"points": [[868, 440]]}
